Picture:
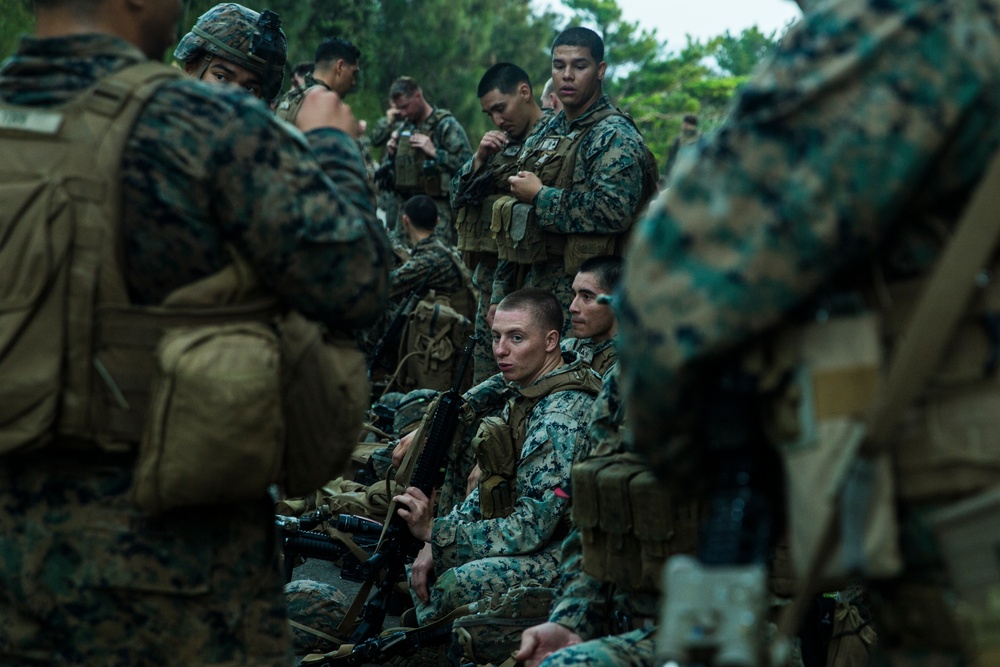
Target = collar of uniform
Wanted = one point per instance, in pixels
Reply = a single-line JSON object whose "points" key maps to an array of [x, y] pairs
{"points": [[572, 361], [602, 103]]}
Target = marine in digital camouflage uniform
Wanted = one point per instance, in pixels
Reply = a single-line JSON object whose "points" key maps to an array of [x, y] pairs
{"points": [[85, 577], [581, 610], [475, 557], [851, 152], [439, 143], [506, 96], [593, 322], [607, 180]]}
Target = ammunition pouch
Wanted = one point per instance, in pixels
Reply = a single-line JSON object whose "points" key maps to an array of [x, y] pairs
{"points": [[623, 541], [518, 237], [497, 456], [472, 223]]}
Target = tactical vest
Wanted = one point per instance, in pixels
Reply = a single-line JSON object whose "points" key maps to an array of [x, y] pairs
{"points": [[408, 162], [436, 331], [553, 159], [472, 221], [498, 441], [183, 381]]}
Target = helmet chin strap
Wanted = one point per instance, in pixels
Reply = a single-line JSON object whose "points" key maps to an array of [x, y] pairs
{"points": [[208, 61]]}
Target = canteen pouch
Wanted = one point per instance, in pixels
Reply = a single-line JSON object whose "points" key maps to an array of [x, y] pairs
{"points": [[325, 399], [623, 542], [215, 431], [517, 234], [497, 459]]}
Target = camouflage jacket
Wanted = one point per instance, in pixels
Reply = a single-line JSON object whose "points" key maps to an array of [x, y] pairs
{"points": [[208, 166], [549, 449], [602, 357], [429, 257], [450, 140], [581, 601], [856, 144], [607, 176]]}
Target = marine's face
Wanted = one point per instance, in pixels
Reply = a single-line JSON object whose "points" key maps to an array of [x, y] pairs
{"points": [[521, 346], [508, 112], [224, 72], [576, 77], [590, 319], [409, 107], [347, 79]]}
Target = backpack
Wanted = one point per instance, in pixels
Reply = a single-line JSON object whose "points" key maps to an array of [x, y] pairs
{"points": [[58, 258]]}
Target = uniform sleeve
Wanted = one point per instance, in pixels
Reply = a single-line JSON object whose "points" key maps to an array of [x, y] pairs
{"points": [[607, 183], [452, 145], [549, 448], [410, 275], [504, 280], [301, 216], [856, 115]]}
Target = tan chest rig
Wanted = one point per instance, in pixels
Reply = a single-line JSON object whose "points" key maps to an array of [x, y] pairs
{"points": [[408, 162], [217, 369], [514, 224], [498, 441], [473, 221]]}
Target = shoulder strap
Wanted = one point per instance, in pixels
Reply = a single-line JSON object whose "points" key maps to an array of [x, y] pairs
{"points": [[521, 407]]}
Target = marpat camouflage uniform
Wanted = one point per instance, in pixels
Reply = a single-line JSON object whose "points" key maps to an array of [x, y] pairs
{"points": [[476, 557], [430, 257], [581, 601], [85, 577], [453, 150], [484, 265], [602, 357], [851, 152], [604, 198]]}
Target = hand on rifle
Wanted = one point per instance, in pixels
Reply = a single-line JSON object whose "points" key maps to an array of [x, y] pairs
{"points": [[417, 510], [421, 572], [399, 451]]}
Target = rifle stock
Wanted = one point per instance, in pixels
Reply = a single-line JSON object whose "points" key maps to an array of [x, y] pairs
{"points": [[398, 546]]}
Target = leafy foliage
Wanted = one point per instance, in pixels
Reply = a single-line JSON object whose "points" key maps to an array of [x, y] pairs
{"points": [[447, 44]]}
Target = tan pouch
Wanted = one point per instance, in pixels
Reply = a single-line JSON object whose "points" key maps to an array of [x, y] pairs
{"points": [[215, 432], [325, 398], [818, 421], [581, 247], [494, 447], [518, 237]]}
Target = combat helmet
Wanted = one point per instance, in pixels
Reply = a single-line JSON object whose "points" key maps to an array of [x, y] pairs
{"points": [[242, 36]]}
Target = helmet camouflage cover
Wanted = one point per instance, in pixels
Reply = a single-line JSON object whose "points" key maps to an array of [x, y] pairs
{"points": [[242, 36]]}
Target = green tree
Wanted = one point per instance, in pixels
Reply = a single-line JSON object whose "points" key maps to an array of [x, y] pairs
{"points": [[739, 54], [17, 20]]}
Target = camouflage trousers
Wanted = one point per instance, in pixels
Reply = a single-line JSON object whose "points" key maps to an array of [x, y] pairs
{"points": [[632, 649], [484, 363], [480, 579], [87, 579]]}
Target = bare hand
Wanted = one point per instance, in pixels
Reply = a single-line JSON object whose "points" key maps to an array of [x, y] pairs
{"points": [[392, 113], [492, 143], [539, 641], [417, 510], [324, 108], [423, 142], [421, 572], [399, 451], [393, 143], [524, 186]]}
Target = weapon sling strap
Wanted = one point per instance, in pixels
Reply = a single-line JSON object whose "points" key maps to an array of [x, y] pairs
{"points": [[946, 296]]}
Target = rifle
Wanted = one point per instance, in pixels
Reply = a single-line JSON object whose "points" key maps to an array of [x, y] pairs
{"points": [[299, 540], [395, 328], [398, 547]]}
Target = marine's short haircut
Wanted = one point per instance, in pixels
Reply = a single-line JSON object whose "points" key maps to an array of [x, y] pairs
{"points": [[549, 88], [332, 49], [691, 119], [303, 68], [422, 212], [584, 37], [606, 268], [505, 77], [542, 304], [404, 86]]}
